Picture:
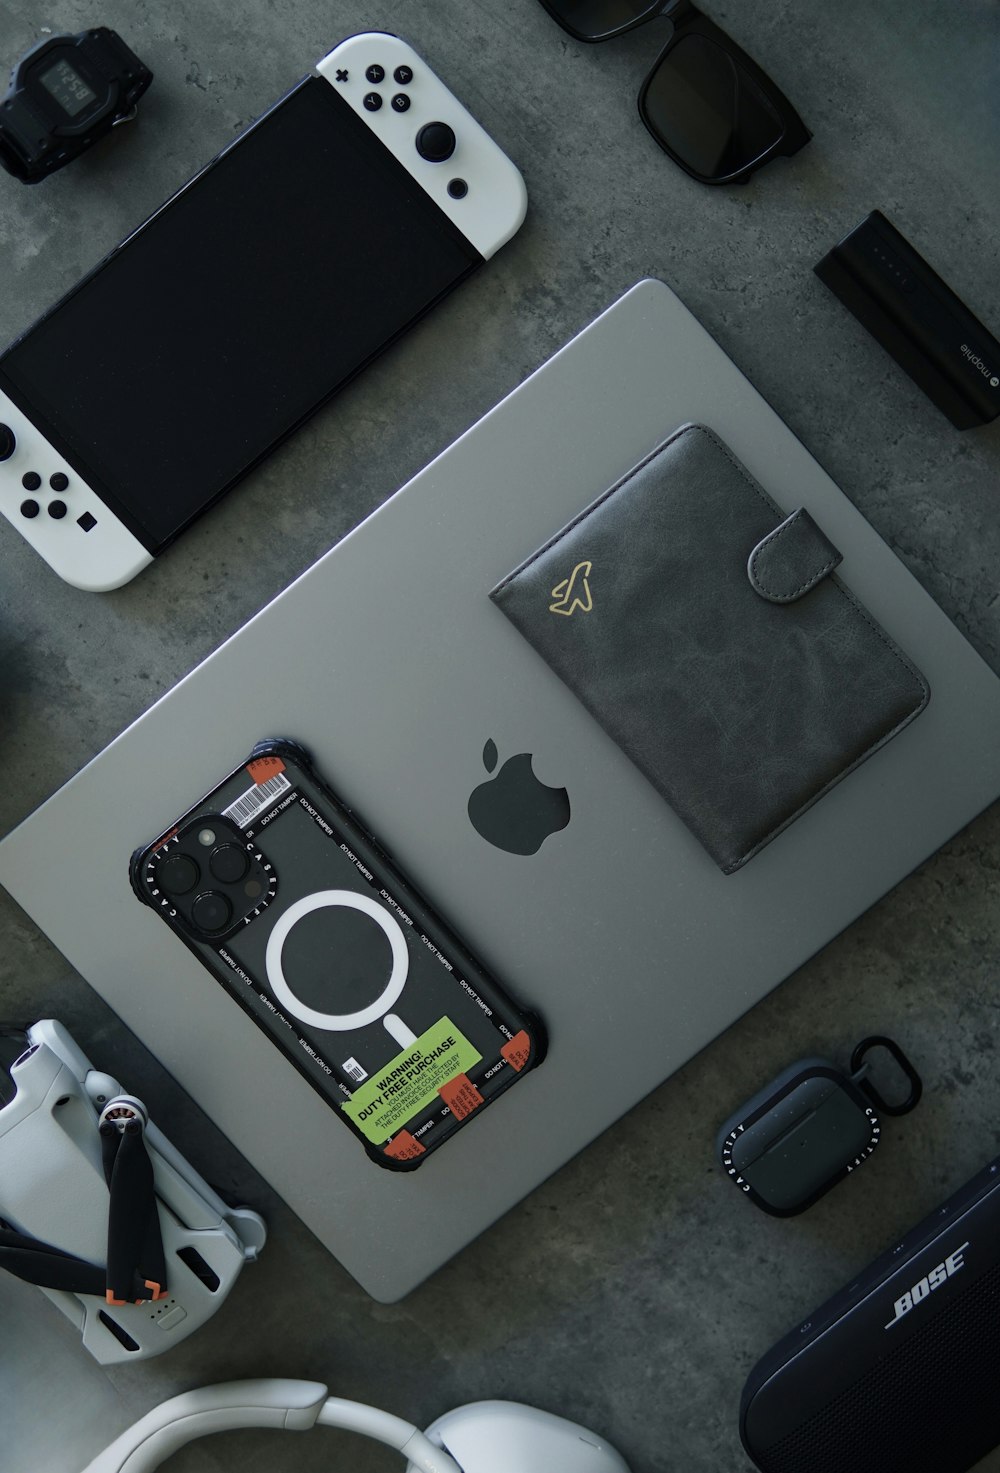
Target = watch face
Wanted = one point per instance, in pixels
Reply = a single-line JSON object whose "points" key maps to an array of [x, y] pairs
{"points": [[67, 87]]}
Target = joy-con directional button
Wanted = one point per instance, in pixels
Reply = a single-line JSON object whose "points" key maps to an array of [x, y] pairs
{"points": [[436, 142], [31, 480], [7, 442], [372, 101], [30, 507], [57, 509], [59, 482]]}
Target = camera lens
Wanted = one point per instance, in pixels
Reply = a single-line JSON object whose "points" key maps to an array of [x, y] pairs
{"points": [[211, 912], [177, 875], [229, 863]]}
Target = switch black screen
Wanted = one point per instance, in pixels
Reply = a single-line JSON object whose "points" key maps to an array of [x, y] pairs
{"points": [[216, 328]]}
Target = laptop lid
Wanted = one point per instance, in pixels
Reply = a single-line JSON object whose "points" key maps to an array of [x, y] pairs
{"points": [[388, 661]]}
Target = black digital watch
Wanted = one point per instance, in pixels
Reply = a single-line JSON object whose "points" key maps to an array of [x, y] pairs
{"points": [[65, 94]]}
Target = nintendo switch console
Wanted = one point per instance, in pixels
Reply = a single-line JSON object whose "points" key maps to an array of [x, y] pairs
{"points": [[287, 264]]}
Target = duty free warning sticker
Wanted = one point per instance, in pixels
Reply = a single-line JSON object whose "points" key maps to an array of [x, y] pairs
{"points": [[430, 1070]]}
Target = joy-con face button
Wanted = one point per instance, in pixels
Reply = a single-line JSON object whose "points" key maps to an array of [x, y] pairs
{"points": [[375, 73], [31, 480], [7, 442], [403, 75], [436, 142], [400, 103], [372, 101], [57, 510], [59, 482], [30, 508]]}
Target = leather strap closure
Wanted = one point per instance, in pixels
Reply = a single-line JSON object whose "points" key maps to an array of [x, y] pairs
{"points": [[792, 559]]}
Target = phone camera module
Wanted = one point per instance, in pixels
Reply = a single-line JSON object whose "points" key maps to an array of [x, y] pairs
{"points": [[211, 912], [208, 895], [177, 874]]}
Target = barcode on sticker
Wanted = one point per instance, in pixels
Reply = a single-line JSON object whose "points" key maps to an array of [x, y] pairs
{"points": [[261, 795], [354, 1069]]}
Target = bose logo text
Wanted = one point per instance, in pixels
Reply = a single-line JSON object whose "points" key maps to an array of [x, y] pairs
{"points": [[925, 1286]]}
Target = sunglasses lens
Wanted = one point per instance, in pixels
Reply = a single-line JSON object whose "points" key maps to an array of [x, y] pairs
{"points": [[707, 111], [595, 19]]}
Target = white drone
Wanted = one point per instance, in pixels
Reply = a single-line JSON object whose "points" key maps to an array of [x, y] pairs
{"points": [[64, 1134], [57, 1222]]}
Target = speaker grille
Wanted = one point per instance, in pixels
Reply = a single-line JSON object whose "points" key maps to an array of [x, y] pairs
{"points": [[932, 1405]]}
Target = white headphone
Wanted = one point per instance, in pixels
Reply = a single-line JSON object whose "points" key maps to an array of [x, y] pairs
{"points": [[486, 1436]]}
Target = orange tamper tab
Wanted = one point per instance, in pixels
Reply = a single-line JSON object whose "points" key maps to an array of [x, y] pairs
{"points": [[262, 768], [404, 1146], [517, 1050], [461, 1096]]}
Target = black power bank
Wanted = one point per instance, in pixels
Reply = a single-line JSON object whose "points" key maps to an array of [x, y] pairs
{"points": [[907, 308]]}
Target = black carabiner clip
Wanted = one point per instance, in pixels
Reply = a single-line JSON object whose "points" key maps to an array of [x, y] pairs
{"points": [[859, 1068]]}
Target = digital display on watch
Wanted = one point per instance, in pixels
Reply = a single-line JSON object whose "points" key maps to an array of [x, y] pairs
{"points": [[65, 84]]}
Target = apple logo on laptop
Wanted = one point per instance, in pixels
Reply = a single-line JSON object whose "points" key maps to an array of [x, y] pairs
{"points": [[514, 810]]}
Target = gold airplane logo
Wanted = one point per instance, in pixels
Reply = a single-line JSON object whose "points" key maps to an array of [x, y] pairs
{"points": [[573, 592]]}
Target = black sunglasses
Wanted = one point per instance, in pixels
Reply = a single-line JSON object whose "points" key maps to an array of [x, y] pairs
{"points": [[707, 104]]}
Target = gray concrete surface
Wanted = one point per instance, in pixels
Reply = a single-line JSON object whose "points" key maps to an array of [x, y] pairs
{"points": [[635, 1290]]}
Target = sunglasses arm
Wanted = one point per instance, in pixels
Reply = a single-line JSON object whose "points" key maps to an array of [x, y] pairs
{"points": [[681, 12]]}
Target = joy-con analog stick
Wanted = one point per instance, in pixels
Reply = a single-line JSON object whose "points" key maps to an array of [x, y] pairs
{"points": [[436, 142], [7, 442]]}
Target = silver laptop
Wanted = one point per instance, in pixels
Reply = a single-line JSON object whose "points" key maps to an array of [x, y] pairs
{"points": [[389, 662]]}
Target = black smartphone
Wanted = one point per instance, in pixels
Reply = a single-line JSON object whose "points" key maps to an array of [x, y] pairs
{"points": [[311, 243], [304, 919]]}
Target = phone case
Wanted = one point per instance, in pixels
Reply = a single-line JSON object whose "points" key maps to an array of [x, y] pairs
{"points": [[309, 925]]}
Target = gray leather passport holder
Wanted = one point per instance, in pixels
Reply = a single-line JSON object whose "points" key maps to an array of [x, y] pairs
{"points": [[705, 630]]}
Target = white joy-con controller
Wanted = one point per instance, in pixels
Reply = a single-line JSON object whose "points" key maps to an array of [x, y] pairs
{"points": [[395, 93], [431, 134], [54, 509]]}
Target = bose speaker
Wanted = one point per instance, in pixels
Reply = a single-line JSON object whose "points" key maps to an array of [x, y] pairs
{"points": [[900, 1371]]}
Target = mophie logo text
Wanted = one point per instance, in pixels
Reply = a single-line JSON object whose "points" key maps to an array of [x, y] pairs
{"points": [[924, 1287], [977, 362]]}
